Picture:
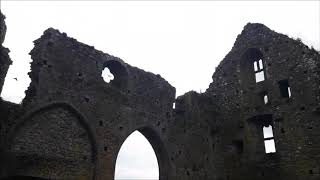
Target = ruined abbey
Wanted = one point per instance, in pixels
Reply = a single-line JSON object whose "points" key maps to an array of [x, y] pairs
{"points": [[71, 123]]}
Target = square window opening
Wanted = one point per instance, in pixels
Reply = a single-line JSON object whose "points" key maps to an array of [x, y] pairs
{"points": [[269, 146], [259, 76], [267, 132]]}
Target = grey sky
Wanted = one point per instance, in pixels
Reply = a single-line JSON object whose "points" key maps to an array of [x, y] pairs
{"points": [[182, 41]]}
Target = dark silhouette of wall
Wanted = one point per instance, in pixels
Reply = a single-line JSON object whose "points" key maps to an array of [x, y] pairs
{"points": [[5, 61], [72, 123]]}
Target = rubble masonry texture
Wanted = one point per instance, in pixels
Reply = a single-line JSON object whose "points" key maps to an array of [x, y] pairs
{"points": [[71, 124]]}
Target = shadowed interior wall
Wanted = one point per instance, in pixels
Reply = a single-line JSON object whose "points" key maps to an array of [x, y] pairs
{"points": [[53, 144]]}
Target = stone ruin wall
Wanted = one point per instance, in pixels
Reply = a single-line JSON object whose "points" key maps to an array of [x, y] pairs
{"points": [[72, 124]]}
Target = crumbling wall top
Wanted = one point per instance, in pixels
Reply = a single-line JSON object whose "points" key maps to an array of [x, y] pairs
{"points": [[3, 28]]}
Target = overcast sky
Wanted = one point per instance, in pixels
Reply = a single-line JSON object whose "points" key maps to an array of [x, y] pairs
{"points": [[181, 41]]}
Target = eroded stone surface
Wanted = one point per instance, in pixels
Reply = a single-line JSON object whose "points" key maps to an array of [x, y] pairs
{"points": [[72, 123]]}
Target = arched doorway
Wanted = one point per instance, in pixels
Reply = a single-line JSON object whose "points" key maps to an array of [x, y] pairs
{"points": [[136, 159]]}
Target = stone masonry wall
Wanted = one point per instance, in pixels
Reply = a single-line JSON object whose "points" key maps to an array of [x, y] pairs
{"points": [[72, 123], [242, 111]]}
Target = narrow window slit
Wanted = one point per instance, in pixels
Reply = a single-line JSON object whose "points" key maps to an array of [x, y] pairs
{"points": [[289, 92], [265, 99], [260, 64], [255, 66]]}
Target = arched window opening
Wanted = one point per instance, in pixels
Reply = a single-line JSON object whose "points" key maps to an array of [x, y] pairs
{"points": [[252, 67], [107, 75], [136, 159], [268, 139]]}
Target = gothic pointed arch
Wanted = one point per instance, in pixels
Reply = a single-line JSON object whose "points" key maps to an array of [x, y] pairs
{"points": [[54, 141], [159, 149]]}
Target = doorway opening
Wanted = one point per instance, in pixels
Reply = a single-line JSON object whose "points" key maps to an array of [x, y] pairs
{"points": [[136, 159]]}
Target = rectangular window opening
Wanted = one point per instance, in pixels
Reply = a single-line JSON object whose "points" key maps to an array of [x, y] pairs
{"points": [[260, 64], [269, 144], [284, 87], [259, 76], [267, 132], [289, 92], [255, 64]]}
